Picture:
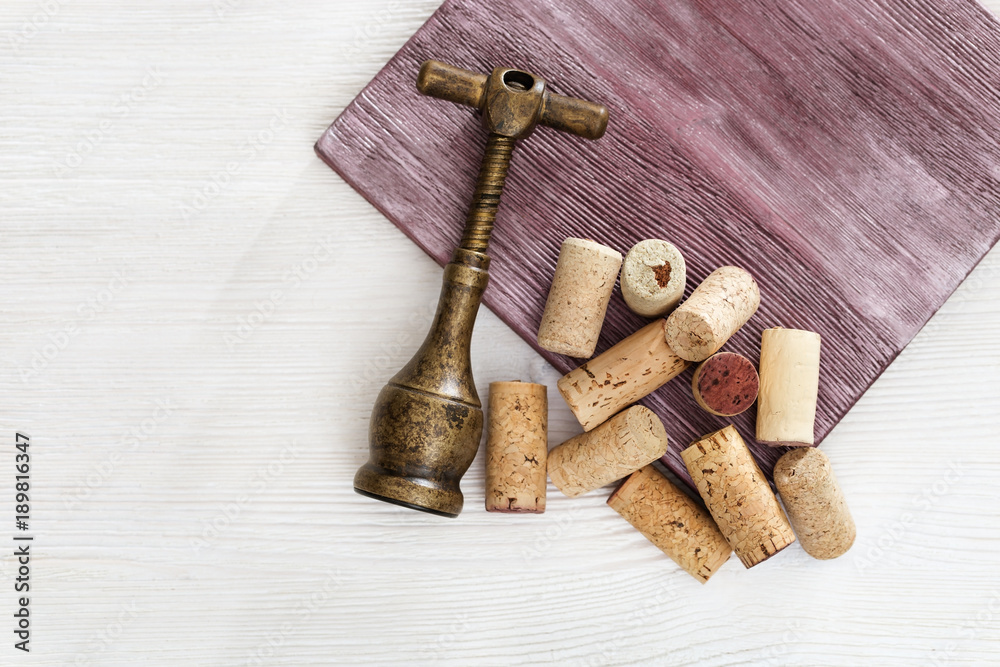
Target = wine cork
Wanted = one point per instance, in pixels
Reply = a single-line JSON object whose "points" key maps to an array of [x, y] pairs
{"points": [[578, 299], [516, 447], [815, 503], [738, 496], [716, 310], [653, 278], [632, 369], [789, 386], [668, 518], [623, 444], [725, 384]]}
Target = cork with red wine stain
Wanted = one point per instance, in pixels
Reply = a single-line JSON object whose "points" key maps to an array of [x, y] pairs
{"points": [[725, 384], [653, 277]]}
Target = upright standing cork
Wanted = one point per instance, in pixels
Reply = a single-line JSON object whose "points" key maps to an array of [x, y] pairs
{"points": [[628, 441], [815, 503], [725, 384], [738, 496], [716, 310], [653, 277], [516, 447], [789, 386], [668, 518], [632, 369], [578, 299]]}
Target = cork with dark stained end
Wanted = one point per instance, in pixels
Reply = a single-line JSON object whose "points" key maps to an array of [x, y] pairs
{"points": [[578, 299], [716, 310], [628, 441], [516, 447], [653, 277], [725, 384], [815, 503], [738, 496], [668, 518], [629, 371]]}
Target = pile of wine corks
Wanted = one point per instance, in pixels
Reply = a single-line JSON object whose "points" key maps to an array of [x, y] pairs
{"points": [[738, 511]]}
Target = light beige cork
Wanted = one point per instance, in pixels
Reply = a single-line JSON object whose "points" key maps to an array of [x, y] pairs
{"points": [[668, 518], [632, 369], [815, 503], [516, 447], [738, 496], [623, 444], [716, 310], [653, 277], [578, 299], [789, 387]]}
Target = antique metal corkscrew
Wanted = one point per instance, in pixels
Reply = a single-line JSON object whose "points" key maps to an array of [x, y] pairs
{"points": [[427, 421]]}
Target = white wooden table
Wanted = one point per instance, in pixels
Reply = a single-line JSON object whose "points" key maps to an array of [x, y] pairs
{"points": [[197, 315]]}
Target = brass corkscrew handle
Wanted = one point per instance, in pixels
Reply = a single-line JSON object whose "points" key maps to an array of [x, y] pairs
{"points": [[566, 114]]}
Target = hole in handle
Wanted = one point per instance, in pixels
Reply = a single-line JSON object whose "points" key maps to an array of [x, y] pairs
{"points": [[518, 81]]}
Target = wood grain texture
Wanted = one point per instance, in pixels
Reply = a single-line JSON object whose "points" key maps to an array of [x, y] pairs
{"points": [[269, 424], [845, 153]]}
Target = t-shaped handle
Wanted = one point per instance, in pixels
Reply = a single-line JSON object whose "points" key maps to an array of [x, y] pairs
{"points": [[512, 101]]}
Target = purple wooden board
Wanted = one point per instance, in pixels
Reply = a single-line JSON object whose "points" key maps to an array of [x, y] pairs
{"points": [[844, 152]]}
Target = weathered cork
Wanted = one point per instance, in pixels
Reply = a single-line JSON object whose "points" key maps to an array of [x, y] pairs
{"points": [[725, 384], [623, 444], [578, 299], [668, 518], [716, 310], [789, 387], [632, 369], [815, 503], [516, 447], [653, 277], [738, 496]]}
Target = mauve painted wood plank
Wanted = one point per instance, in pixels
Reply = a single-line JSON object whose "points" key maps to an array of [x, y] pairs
{"points": [[844, 152]]}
